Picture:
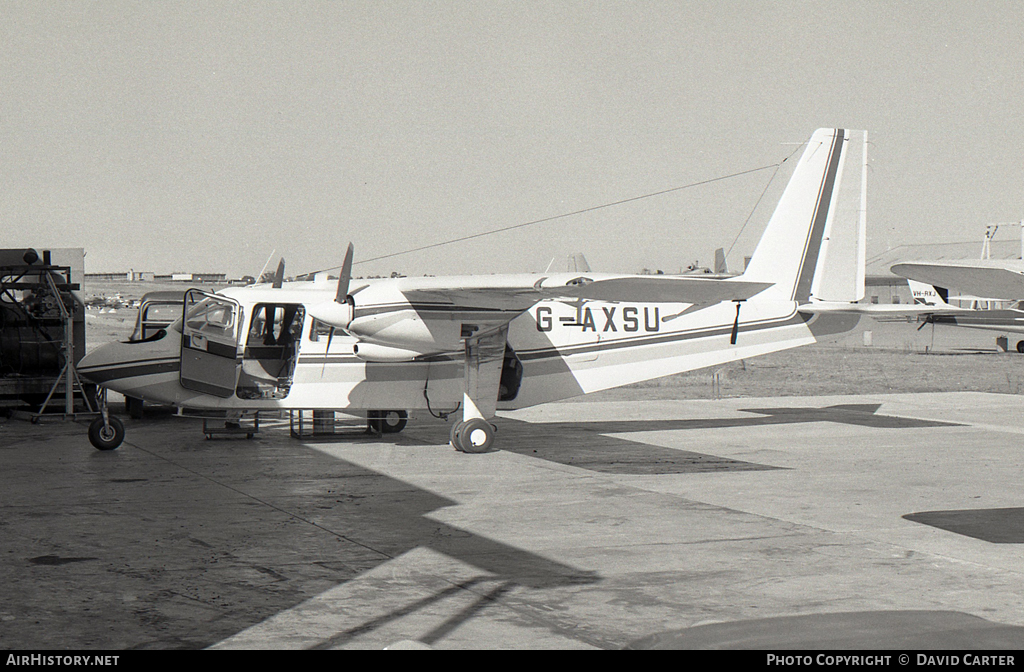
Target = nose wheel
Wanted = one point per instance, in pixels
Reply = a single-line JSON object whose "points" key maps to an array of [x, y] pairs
{"points": [[105, 432]]}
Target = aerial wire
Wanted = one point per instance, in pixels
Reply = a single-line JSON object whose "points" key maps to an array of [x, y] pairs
{"points": [[763, 192], [522, 225]]}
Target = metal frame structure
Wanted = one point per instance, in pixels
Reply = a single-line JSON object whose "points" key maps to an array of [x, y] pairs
{"points": [[50, 287]]}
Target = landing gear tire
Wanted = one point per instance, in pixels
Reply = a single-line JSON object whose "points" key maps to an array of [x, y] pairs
{"points": [[106, 436], [387, 422], [473, 436], [1020, 347]]}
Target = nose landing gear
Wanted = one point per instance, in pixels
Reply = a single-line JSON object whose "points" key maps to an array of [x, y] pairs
{"points": [[105, 432]]}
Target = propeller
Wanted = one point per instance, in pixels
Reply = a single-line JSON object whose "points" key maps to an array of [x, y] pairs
{"points": [[339, 312], [341, 296]]}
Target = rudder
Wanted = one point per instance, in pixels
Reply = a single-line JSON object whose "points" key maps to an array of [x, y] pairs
{"points": [[814, 243]]}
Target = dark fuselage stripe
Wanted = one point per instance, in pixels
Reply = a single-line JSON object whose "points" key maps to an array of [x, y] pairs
{"points": [[130, 370], [802, 291]]}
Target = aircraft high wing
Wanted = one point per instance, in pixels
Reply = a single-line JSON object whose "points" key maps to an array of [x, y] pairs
{"points": [[995, 278], [480, 344]]}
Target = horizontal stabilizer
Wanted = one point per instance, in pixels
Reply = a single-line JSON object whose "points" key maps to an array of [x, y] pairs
{"points": [[879, 310]]}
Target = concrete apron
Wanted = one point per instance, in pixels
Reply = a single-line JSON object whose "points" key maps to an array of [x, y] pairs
{"points": [[596, 525]]}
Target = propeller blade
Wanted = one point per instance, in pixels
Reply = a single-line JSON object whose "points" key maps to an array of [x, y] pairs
{"points": [[346, 275], [339, 312], [330, 335], [279, 276]]}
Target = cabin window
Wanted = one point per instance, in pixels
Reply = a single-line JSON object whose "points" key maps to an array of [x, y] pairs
{"points": [[275, 325], [211, 317]]}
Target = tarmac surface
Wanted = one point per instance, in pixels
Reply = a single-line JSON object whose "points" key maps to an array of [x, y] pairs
{"points": [[879, 521]]}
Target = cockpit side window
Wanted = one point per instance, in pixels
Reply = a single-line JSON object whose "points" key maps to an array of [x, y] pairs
{"points": [[211, 317]]}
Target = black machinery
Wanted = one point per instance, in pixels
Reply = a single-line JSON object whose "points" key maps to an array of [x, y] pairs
{"points": [[42, 335]]}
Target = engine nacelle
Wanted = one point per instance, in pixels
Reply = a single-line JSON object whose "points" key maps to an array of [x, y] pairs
{"points": [[338, 315], [406, 330], [371, 352]]}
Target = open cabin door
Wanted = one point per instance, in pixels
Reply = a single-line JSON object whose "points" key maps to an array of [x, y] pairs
{"points": [[209, 343]]}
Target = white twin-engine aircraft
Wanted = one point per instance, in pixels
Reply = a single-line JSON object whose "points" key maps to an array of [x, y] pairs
{"points": [[488, 343]]}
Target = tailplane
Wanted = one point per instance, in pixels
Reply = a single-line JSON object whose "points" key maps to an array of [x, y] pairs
{"points": [[814, 245]]}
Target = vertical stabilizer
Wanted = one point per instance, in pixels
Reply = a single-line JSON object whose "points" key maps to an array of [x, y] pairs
{"points": [[720, 267], [928, 295], [814, 243]]}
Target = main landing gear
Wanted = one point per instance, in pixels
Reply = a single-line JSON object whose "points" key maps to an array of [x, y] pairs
{"points": [[475, 435], [386, 422]]}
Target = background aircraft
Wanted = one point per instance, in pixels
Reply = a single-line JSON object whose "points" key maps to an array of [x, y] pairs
{"points": [[480, 344], [1007, 321]]}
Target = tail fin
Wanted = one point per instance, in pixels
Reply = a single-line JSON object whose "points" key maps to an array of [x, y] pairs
{"points": [[720, 267], [814, 244], [928, 295]]}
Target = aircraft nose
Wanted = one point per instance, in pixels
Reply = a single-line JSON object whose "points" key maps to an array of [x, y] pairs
{"points": [[98, 366], [90, 365]]}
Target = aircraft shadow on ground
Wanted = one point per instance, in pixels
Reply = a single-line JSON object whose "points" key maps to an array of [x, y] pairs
{"points": [[997, 526], [588, 444]]}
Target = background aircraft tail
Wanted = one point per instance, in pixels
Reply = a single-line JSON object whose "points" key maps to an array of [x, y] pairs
{"points": [[928, 295], [814, 244], [720, 267]]}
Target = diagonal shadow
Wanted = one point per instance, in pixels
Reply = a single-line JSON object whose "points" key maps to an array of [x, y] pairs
{"points": [[211, 538]]}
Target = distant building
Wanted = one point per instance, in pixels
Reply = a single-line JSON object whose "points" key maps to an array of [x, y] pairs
{"points": [[210, 277], [109, 277], [148, 276]]}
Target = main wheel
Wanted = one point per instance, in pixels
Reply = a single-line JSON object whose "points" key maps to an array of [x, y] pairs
{"points": [[392, 422], [473, 436], [1020, 346], [387, 422], [106, 436]]}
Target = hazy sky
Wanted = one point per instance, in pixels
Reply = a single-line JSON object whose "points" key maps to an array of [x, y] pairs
{"points": [[202, 136]]}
